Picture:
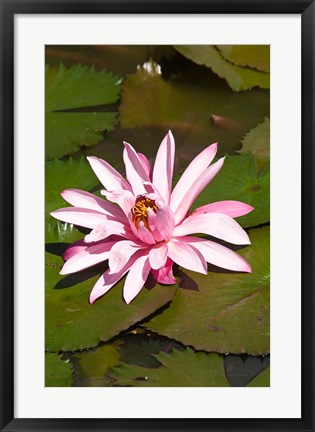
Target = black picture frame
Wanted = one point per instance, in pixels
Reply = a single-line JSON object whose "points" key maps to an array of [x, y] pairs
{"points": [[8, 9]]}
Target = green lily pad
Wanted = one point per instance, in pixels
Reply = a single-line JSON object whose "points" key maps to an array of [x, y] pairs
{"points": [[261, 380], [257, 142], [238, 180], [71, 322], [58, 373], [77, 88], [197, 114], [238, 78], [61, 175], [223, 311], [178, 369], [253, 56]]}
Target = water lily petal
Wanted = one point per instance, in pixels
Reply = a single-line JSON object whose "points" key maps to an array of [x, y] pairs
{"points": [[165, 274], [136, 278], [107, 175], [125, 199], [191, 174], [163, 167], [79, 198], [87, 257], [186, 256], [108, 280], [135, 171], [215, 224], [153, 226], [163, 221], [230, 208], [146, 164], [202, 181], [120, 254], [74, 249], [104, 284], [104, 230], [158, 256], [164, 218], [80, 216], [219, 255], [144, 234]]}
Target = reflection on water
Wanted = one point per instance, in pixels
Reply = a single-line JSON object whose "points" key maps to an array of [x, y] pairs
{"points": [[193, 102], [92, 368]]}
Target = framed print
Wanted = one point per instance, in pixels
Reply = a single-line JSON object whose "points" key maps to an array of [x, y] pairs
{"points": [[157, 215]]}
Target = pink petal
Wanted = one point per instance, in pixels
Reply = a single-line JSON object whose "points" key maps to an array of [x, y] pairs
{"points": [[163, 222], [151, 189], [158, 256], [135, 172], [107, 280], [87, 257], [120, 254], [104, 284], [136, 278], [153, 227], [186, 256], [163, 167], [125, 199], [230, 208], [80, 216], [133, 228], [191, 194], [144, 234], [104, 230], [215, 224], [218, 255], [83, 199], [74, 249], [191, 174], [165, 275], [107, 175], [164, 219], [146, 164]]}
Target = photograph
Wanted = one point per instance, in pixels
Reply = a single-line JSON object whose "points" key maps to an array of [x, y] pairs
{"points": [[157, 215]]}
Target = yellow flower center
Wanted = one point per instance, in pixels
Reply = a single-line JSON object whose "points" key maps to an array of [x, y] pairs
{"points": [[140, 210]]}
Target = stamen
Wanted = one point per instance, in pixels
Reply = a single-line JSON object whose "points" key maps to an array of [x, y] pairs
{"points": [[140, 210]]}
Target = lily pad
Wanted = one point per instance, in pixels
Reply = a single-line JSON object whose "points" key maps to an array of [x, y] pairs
{"points": [[261, 380], [58, 373], [61, 175], [69, 92], [71, 322], [178, 369], [257, 142], [223, 311], [253, 56], [238, 78], [238, 180]]}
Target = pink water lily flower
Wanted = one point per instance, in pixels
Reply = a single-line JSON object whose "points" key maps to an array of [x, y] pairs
{"points": [[143, 226]]}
